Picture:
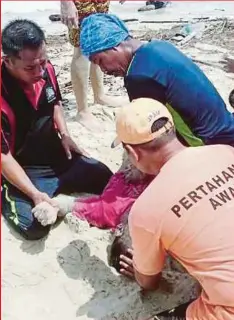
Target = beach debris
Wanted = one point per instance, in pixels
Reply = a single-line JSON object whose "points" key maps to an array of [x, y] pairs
{"points": [[130, 20], [154, 5], [55, 17], [147, 8], [209, 64], [188, 32], [182, 21]]}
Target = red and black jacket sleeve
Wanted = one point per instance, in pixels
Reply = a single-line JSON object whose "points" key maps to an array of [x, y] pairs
{"points": [[5, 133]]}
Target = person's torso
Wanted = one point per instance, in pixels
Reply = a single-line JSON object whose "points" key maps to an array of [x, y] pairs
{"points": [[36, 139], [160, 71], [193, 201]]}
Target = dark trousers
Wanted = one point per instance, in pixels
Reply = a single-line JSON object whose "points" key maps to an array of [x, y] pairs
{"points": [[178, 313], [82, 175]]}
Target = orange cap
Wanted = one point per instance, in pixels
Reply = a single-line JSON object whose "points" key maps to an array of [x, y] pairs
{"points": [[135, 120]]}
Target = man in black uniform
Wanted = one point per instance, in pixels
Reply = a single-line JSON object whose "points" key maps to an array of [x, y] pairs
{"points": [[39, 158]]}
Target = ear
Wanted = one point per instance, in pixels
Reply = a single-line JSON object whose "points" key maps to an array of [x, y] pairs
{"points": [[7, 61], [132, 152], [117, 48]]}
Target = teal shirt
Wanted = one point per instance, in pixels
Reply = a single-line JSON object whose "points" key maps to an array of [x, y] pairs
{"points": [[162, 72]]}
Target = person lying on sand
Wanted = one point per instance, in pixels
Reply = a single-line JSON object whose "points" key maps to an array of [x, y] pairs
{"points": [[72, 14], [158, 70], [103, 211], [186, 211], [39, 158]]}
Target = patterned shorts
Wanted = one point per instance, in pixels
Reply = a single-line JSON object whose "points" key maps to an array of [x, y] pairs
{"points": [[85, 8]]}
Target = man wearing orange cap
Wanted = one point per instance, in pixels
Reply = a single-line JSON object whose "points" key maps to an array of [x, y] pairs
{"points": [[187, 211]]}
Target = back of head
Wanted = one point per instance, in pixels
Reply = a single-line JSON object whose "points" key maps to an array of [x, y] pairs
{"points": [[144, 123], [21, 34], [100, 32], [146, 130]]}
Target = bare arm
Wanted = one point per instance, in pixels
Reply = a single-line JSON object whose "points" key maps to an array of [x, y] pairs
{"points": [[69, 13], [147, 282], [68, 144], [145, 262], [15, 174], [60, 120]]}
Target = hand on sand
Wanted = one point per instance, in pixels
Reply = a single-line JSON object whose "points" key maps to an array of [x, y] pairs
{"points": [[45, 213], [228, 65], [69, 145], [126, 263]]}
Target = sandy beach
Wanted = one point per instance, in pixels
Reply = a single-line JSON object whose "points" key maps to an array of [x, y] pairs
{"points": [[67, 276]]}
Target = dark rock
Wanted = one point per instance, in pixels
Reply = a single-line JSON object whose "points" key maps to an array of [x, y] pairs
{"points": [[55, 17]]}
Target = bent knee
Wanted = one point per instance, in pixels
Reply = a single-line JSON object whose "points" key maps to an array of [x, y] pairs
{"points": [[36, 231], [101, 176], [105, 171], [23, 221], [33, 230]]}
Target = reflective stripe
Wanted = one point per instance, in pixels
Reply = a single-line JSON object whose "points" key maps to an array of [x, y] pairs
{"points": [[184, 130], [14, 216]]}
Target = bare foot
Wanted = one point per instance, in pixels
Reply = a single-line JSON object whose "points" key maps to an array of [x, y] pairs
{"points": [[111, 101], [88, 120]]}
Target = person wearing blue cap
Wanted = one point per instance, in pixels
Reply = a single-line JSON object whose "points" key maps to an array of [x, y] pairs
{"points": [[158, 70]]}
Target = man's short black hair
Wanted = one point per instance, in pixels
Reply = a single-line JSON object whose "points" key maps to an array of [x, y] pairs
{"points": [[20, 34]]}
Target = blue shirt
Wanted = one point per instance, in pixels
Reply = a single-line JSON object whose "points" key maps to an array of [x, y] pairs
{"points": [[162, 72]]}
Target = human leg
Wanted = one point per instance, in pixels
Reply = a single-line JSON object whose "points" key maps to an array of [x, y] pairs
{"points": [[80, 69], [79, 76], [96, 78], [84, 175], [17, 207]]}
